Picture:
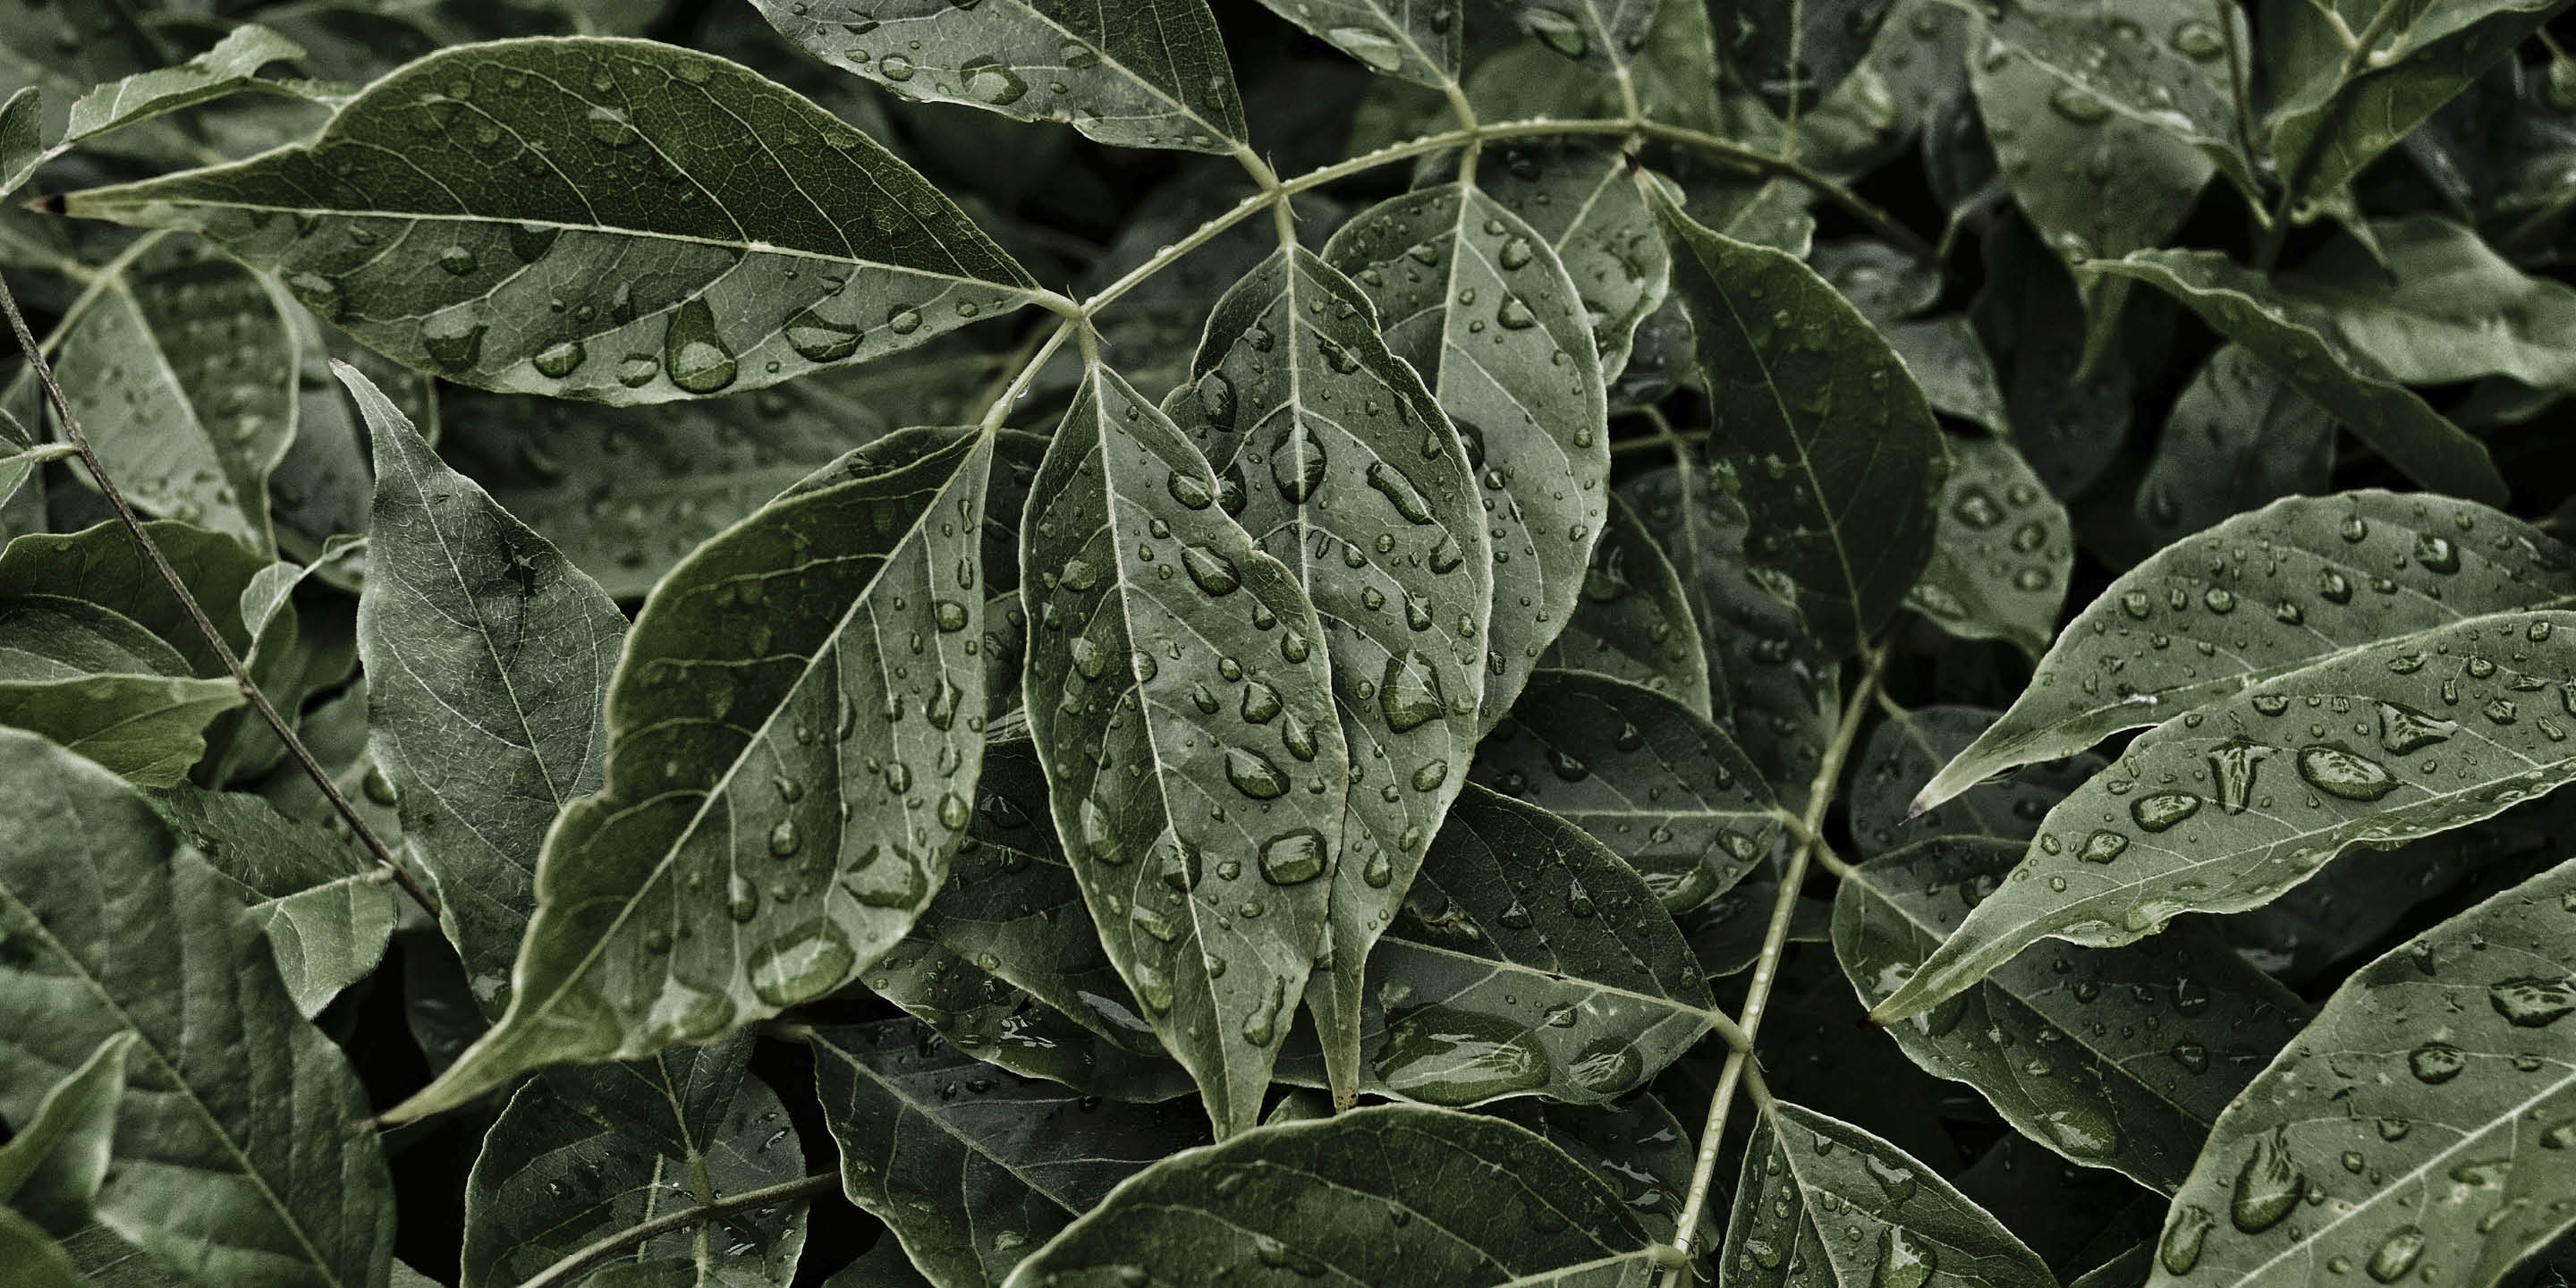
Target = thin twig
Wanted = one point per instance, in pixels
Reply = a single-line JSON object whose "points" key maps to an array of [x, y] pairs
{"points": [[573, 1266], [250, 690]]}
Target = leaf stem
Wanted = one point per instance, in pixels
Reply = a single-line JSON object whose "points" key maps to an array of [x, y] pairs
{"points": [[1267, 179], [2357, 56], [1032, 360], [223, 650], [1775, 941], [572, 1266], [2236, 82]]}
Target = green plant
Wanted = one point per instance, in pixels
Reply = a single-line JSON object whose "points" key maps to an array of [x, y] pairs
{"points": [[653, 644]]}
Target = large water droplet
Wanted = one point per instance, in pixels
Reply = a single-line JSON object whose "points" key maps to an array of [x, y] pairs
{"points": [[1409, 693], [1905, 1260], [558, 360], [2268, 1186], [693, 354], [1560, 32], [1399, 492], [1450, 1057], [454, 340], [1293, 857], [802, 964], [2179, 1250], [994, 84], [816, 338], [1297, 462], [1213, 572], [2163, 810], [1373, 48], [2532, 1002], [2435, 1063], [2403, 729], [2396, 1254], [1254, 774], [2231, 773], [2337, 771]]}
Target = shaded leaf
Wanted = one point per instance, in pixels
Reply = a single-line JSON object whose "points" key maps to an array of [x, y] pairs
{"points": [[1136, 73], [1793, 55], [2446, 307], [1143, 692], [1910, 746], [1608, 35], [2421, 1106], [799, 242], [2159, 63], [34, 1260], [2119, 1058], [1667, 792], [1634, 1145], [2237, 438], [973, 1182], [51, 1169], [1390, 1208], [1726, 933], [837, 616], [100, 685], [2336, 114], [1417, 40], [1950, 363], [114, 929], [327, 911], [2002, 551], [2397, 739], [2361, 570], [1633, 621]]}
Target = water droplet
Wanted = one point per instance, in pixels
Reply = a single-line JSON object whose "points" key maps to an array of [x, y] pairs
{"points": [[895, 67], [454, 340], [2436, 554], [457, 260], [2532, 1002], [2231, 770], [2103, 846], [1399, 492], [2435, 1063], [2403, 729], [2337, 771], [1513, 315], [1452, 1057], [1560, 32], [1373, 48], [1905, 1259], [804, 963], [994, 84], [783, 839], [556, 361], [2396, 1254], [2080, 105], [2199, 41], [1254, 774], [1213, 572], [1293, 857], [1191, 490], [816, 338], [2268, 1186], [1297, 462], [2179, 1250], [2163, 810]]}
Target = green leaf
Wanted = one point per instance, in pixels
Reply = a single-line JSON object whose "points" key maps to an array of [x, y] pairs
{"points": [[2424, 1105], [1148, 690], [1633, 621], [327, 911], [1950, 363], [1501, 335], [112, 572], [973, 1182], [1726, 933], [2161, 64], [1826, 1200], [2363, 570], [1663, 789], [22, 140], [2070, 422], [1338, 463], [1528, 961], [1806, 385], [115, 929], [1376, 1195], [692, 250], [51, 1169], [488, 656], [2401, 738], [2351, 107], [1634, 1145], [102, 686], [1884, 283], [1910, 746], [2242, 306], [2237, 438], [839, 616], [67, 51], [1136, 73], [2120, 1058], [2447, 308], [1577, 195], [2002, 550], [1776, 686], [1417, 40], [1607, 35], [1793, 55], [552, 1180]]}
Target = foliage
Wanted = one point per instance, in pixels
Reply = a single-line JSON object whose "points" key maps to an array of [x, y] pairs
{"points": [[1020, 643]]}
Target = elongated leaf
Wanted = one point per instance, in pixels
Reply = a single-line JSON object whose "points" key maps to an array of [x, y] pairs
{"points": [[1668, 793], [1635, 1145], [812, 657], [974, 1182], [1606, 34], [1392, 1209], [22, 140], [104, 687], [2239, 437], [702, 228], [1823, 1201], [51, 1169], [1370, 504], [2361, 570], [2421, 1108], [1633, 621], [1804, 384], [552, 1180], [1529, 961], [1185, 731], [233, 1156], [67, 50], [2119, 1058], [327, 911], [1775, 686], [1910, 746], [2327, 127], [1579, 197], [2386, 743], [2241, 306], [489, 659], [1500, 334], [2159, 63], [2002, 551], [1135, 73]]}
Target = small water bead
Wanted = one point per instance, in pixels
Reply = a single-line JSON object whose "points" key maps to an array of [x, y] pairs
{"points": [[2103, 847], [2396, 1254]]}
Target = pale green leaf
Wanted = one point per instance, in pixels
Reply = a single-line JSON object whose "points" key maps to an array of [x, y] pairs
{"points": [[33, 1258], [2238, 438], [327, 911], [1910, 746], [1822, 1201], [2220, 811], [2446, 309], [1577, 195], [1377, 1195], [1793, 54], [111, 571], [51, 1169], [1663, 789], [1633, 621], [2002, 551], [704, 228], [1607, 35], [813, 656], [488, 657], [2159, 63], [2427, 1110], [2348, 108], [102, 686], [2119, 1058], [972, 1167], [22, 141], [1841, 458], [2335, 575], [1417, 40], [1334, 457], [117, 929], [1186, 732], [2242, 306], [1134, 73], [1476, 300]]}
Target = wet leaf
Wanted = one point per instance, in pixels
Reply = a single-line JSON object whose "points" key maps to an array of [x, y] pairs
{"points": [[425, 221], [1581, 200], [2334, 115], [2002, 551], [1607, 35], [1417, 40], [2159, 63], [1633, 621], [2239, 437], [2446, 308], [1795, 54]]}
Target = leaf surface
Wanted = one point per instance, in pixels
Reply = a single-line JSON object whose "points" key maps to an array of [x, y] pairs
{"points": [[1633, 621], [2328, 125], [327, 911], [1417, 40], [1907, 748], [51, 1169], [697, 222], [1608, 35], [2239, 437], [1793, 55], [2170, 76], [2002, 550], [1579, 197]]}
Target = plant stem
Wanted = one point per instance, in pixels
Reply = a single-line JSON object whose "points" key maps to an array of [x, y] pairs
{"points": [[2356, 57], [1766, 967], [223, 650], [571, 1267]]}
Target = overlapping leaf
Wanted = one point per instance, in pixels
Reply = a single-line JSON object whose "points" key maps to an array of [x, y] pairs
{"points": [[2238, 437], [605, 219], [1795, 54], [813, 657], [55, 1161], [327, 911], [2225, 808], [1633, 621], [2002, 550], [1580, 198], [1417, 40], [2160, 63], [2446, 308], [1909, 747], [1177, 694], [100, 685]]}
